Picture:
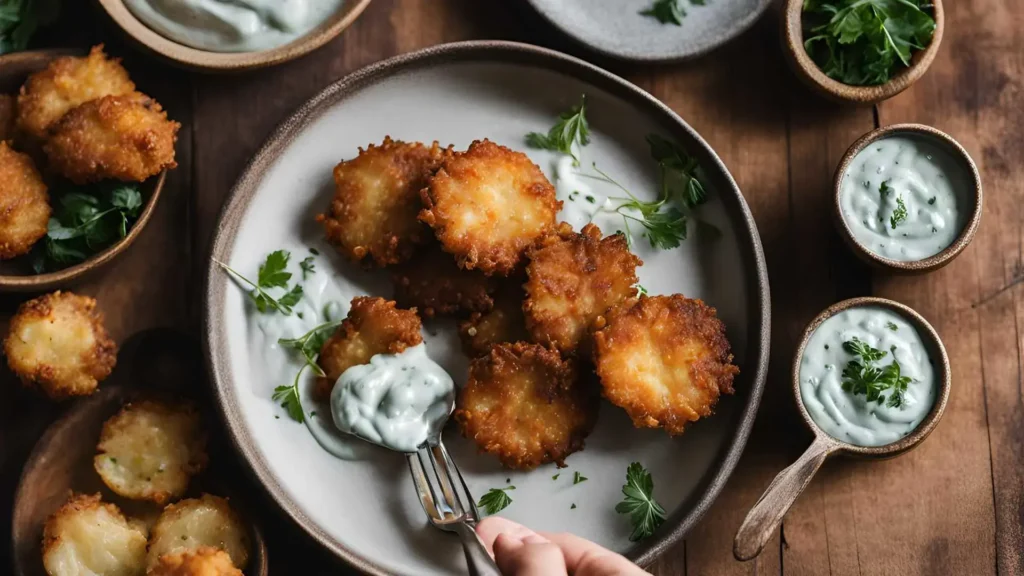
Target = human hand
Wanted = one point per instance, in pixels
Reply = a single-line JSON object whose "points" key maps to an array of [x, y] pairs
{"points": [[519, 551]]}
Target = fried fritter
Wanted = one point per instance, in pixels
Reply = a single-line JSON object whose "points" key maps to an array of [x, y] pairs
{"points": [[65, 83], [376, 201], [149, 450], [24, 203], [523, 404], [8, 114], [125, 138], [487, 204], [207, 521], [665, 360], [373, 326], [503, 323], [573, 279], [88, 536], [434, 284], [203, 561], [58, 343]]}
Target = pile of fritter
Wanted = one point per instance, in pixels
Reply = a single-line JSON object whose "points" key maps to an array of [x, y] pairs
{"points": [[550, 316]]}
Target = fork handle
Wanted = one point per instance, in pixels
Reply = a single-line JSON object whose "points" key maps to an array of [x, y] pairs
{"points": [[478, 560]]}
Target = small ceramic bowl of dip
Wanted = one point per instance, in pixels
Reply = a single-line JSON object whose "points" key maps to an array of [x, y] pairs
{"points": [[225, 36], [871, 379], [908, 198], [811, 75]]}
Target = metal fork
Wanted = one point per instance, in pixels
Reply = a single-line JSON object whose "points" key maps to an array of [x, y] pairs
{"points": [[442, 492]]}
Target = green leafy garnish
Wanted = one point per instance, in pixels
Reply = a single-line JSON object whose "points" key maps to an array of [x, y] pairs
{"points": [[272, 274], [310, 343], [289, 398], [495, 500], [892, 326], [645, 514], [19, 20], [899, 215], [573, 507], [555, 477], [865, 42], [572, 127], [641, 290], [577, 478], [669, 11], [307, 266], [862, 376]]}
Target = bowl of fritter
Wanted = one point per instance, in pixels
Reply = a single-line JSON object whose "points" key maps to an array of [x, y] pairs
{"points": [[83, 158], [565, 247]]}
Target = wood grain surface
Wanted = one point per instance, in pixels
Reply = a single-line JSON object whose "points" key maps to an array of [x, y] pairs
{"points": [[953, 506]]}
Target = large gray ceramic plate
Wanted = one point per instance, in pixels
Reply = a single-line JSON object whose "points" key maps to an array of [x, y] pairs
{"points": [[366, 510], [616, 28]]}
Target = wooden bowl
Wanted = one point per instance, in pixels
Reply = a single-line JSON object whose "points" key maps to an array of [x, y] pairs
{"points": [[157, 364], [974, 198], [16, 275], [812, 76], [208, 61]]}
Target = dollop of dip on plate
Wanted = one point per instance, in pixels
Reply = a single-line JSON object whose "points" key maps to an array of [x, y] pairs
{"points": [[828, 375], [395, 401], [904, 198], [233, 25]]}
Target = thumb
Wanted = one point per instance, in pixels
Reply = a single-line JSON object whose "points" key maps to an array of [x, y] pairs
{"points": [[531, 555]]}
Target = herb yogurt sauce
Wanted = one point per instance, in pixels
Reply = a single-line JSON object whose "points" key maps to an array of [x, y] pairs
{"points": [[826, 368], [903, 198], [233, 25]]}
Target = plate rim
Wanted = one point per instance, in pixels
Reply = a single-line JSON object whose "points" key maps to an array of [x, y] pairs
{"points": [[671, 58], [215, 348]]}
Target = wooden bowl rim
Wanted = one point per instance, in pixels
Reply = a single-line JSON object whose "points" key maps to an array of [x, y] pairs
{"points": [[808, 71], [944, 379], [209, 61], [50, 280], [975, 196]]}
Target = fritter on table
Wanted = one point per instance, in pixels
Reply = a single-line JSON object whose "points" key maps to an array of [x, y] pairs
{"points": [[434, 284], [502, 323], [195, 523], [88, 536], [203, 561], [24, 203], [665, 360]]}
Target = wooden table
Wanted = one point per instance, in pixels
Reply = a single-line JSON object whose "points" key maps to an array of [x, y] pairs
{"points": [[953, 506]]}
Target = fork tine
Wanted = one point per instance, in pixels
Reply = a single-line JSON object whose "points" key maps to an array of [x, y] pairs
{"points": [[441, 469], [443, 506], [423, 488], [473, 512]]}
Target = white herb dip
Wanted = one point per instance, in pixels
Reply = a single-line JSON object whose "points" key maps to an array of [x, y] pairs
{"points": [[395, 401], [233, 25], [929, 182], [851, 418]]}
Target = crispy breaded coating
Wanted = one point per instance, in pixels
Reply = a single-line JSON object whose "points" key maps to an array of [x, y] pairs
{"points": [[58, 343], [665, 360], [373, 326], [8, 115], [434, 284], [203, 561], [88, 536], [207, 521], [572, 280], [150, 450], [67, 82], [503, 323], [523, 404], [125, 138], [24, 203], [373, 217], [487, 204]]}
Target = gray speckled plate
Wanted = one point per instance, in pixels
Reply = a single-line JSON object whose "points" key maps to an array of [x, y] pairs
{"points": [[616, 28]]}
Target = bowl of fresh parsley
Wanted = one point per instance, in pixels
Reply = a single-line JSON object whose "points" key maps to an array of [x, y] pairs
{"points": [[861, 51]]}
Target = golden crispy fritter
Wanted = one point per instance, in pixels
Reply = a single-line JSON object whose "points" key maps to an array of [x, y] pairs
{"points": [[207, 521], [503, 323], [376, 201], [665, 360], [8, 114], [24, 203], [58, 343], [487, 204], [125, 138], [149, 450], [523, 404], [373, 326], [88, 536], [572, 280], [67, 82], [203, 561], [434, 284]]}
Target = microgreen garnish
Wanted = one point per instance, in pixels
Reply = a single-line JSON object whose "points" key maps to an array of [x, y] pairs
{"points": [[272, 274], [577, 478], [669, 11], [645, 514], [571, 128], [862, 376], [641, 290], [899, 215], [19, 20], [495, 500], [307, 266]]}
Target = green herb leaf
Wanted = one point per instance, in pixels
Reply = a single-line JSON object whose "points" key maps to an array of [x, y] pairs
{"points": [[307, 266], [577, 478], [645, 514], [572, 127], [892, 326], [555, 477], [495, 500], [290, 400], [863, 376], [272, 274], [666, 11], [899, 215], [19, 20]]}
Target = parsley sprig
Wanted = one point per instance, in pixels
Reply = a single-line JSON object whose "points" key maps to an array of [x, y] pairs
{"points": [[899, 215], [571, 128], [273, 273], [669, 11], [495, 500], [19, 20], [310, 343], [862, 375], [644, 512]]}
